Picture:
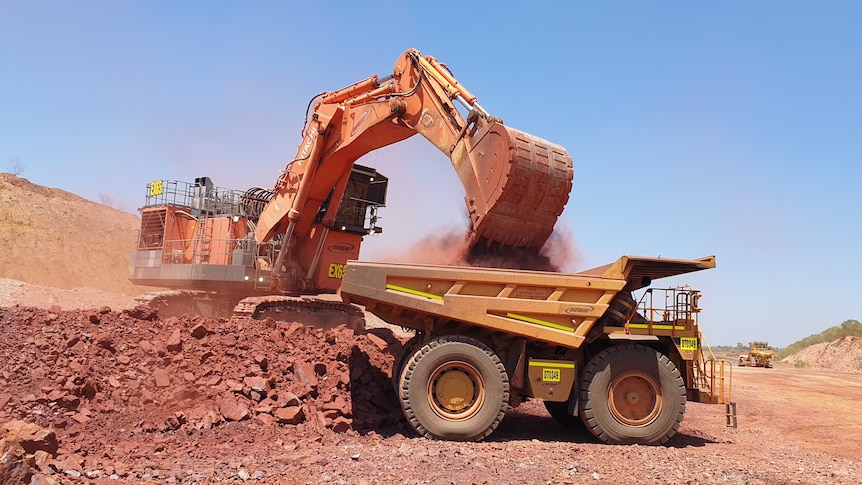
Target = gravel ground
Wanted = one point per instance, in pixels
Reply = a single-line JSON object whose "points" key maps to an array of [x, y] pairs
{"points": [[132, 398]]}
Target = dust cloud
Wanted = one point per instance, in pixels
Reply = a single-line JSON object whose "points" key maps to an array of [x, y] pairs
{"points": [[449, 246], [562, 249]]}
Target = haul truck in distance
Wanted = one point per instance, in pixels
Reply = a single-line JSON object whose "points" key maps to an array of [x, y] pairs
{"points": [[487, 339], [759, 355]]}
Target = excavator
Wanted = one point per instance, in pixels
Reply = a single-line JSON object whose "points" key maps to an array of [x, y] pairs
{"points": [[267, 252]]}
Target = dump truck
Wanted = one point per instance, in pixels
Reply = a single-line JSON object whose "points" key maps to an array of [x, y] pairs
{"points": [[759, 355], [486, 339]]}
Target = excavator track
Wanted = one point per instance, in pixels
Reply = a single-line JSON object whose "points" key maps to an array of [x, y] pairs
{"points": [[156, 297], [317, 312], [175, 303], [324, 311]]}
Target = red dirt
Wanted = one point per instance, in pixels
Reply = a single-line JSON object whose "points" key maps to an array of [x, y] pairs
{"points": [[193, 400]]}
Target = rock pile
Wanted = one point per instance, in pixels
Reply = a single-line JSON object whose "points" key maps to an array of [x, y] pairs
{"points": [[844, 354], [91, 374]]}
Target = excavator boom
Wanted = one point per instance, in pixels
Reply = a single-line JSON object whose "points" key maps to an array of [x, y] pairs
{"points": [[297, 238], [516, 184]]}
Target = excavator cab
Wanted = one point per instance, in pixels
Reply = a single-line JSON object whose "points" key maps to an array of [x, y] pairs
{"points": [[365, 193]]}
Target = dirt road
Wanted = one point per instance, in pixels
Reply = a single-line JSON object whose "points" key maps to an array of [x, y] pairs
{"points": [[816, 410]]}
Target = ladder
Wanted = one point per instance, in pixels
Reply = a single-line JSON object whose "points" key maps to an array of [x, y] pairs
{"points": [[203, 240]]}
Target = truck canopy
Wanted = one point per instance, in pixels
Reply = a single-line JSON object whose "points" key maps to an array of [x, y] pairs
{"points": [[635, 269]]}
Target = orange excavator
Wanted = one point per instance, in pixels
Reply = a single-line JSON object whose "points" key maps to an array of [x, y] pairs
{"points": [[220, 251]]}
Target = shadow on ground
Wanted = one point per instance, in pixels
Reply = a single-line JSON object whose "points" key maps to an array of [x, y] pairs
{"points": [[530, 421]]}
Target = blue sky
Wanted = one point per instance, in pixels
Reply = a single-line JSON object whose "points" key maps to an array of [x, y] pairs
{"points": [[696, 128]]}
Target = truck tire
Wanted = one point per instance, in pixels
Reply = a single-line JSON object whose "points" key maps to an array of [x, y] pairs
{"points": [[401, 360], [454, 388], [560, 412], [631, 394]]}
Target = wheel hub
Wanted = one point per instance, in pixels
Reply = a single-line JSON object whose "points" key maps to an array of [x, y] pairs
{"points": [[634, 398], [456, 391]]}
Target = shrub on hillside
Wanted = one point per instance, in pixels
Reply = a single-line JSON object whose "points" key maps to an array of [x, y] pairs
{"points": [[849, 328]]}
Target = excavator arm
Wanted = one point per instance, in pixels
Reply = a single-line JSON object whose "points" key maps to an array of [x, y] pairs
{"points": [[516, 184]]}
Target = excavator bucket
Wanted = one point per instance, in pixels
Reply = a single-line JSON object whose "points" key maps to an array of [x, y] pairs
{"points": [[517, 185]]}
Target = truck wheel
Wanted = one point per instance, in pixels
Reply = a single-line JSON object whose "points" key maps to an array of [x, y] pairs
{"points": [[631, 394], [560, 412], [454, 388]]}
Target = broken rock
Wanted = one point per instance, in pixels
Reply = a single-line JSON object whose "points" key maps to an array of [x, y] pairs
{"points": [[379, 342], [13, 465], [233, 385], [105, 341], [200, 331], [31, 437], [265, 419], [341, 424], [286, 399], [255, 383], [163, 379], [232, 409], [143, 312], [339, 405], [174, 343], [289, 415]]}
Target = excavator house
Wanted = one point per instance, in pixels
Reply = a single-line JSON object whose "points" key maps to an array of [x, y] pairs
{"points": [[198, 239], [212, 247]]}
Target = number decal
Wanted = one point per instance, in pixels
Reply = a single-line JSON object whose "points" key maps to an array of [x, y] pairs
{"points": [[550, 375], [157, 188], [336, 270], [688, 343]]}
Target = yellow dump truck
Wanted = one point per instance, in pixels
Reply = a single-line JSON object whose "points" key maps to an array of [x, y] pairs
{"points": [[487, 339], [759, 355]]}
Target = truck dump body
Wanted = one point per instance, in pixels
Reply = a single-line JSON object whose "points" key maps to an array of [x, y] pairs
{"points": [[555, 308]]}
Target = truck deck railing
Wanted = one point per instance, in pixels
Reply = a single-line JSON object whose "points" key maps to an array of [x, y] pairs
{"points": [[677, 304]]}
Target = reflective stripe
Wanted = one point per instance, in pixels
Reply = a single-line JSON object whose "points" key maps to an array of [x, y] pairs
{"points": [[413, 292], [539, 322], [657, 327], [557, 365]]}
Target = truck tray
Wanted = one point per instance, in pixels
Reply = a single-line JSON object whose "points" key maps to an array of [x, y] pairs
{"points": [[557, 308]]}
